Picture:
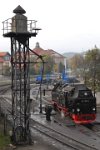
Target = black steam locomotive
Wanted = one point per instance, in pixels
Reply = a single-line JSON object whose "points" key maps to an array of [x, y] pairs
{"points": [[76, 100]]}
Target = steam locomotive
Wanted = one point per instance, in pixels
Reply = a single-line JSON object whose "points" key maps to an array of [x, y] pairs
{"points": [[76, 100]]}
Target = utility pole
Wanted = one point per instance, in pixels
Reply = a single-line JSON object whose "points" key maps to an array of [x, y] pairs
{"points": [[19, 29]]}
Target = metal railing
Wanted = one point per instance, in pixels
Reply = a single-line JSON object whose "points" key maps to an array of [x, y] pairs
{"points": [[8, 25]]}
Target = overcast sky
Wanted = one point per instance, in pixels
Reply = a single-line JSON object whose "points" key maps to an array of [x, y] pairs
{"points": [[67, 25]]}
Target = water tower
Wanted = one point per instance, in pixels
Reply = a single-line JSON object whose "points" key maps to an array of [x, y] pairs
{"points": [[19, 29]]}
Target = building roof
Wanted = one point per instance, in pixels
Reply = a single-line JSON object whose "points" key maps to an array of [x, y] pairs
{"points": [[1, 60], [38, 50], [56, 54], [3, 54], [50, 52]]}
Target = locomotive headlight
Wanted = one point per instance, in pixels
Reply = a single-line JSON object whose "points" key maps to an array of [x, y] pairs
{"points": [[93, 109], [78, 109]]}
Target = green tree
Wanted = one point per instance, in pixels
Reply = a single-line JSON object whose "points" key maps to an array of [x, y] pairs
{"points": [[92, 60], [61, 67], [76, 64], [49, 64], [36, 65]]}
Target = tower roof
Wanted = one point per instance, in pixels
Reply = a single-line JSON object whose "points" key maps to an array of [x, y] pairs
{"points": [[19, 10]]}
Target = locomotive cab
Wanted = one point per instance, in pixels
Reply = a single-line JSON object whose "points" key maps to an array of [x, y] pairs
{"points": [[59, 97]]}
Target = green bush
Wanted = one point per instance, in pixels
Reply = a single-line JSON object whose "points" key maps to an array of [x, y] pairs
{"points": [[4, 141]]}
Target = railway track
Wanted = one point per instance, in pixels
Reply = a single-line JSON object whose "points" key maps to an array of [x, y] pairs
{"points": [[61, 137], [4, 89], [94, 127], [55, 132]]}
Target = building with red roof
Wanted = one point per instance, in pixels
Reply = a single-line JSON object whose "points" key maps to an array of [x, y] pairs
{"points": [[4, 61], [58, 58]]}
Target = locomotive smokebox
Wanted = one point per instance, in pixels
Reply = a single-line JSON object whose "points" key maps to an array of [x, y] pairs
{"points": [[19, 21]]}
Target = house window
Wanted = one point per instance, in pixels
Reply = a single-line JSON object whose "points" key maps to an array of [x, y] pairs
{"points": [[6, 58]]}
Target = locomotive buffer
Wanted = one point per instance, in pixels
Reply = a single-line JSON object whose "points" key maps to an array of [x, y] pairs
{"points": [[19, 29]]}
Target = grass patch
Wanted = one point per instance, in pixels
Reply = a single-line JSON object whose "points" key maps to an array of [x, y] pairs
{"points": [[4, 141]]}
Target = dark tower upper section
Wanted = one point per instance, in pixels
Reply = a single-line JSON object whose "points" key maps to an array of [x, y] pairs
{"points": [[19, 10], [19, 21], [19, 26]]}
